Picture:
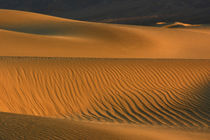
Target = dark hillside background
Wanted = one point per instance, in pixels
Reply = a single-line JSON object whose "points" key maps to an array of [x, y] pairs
{"points": [[139, 12]]}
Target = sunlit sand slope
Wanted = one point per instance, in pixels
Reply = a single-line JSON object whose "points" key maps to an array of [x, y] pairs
{"points": [[172, 93], [19, 127], [30, 34]]}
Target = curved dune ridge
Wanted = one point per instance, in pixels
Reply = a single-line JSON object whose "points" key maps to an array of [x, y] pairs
{"points": [[172, 93], [176, 24], [31, 34]]}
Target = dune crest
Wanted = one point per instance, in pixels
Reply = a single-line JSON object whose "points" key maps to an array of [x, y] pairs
{"points": [[180, 24]]}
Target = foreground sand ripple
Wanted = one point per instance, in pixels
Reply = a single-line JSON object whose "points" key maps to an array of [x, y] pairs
{"points": [[151, 92]]}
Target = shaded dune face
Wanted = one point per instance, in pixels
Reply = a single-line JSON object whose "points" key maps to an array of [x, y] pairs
{"points": [[153, 92], [33, 128]]}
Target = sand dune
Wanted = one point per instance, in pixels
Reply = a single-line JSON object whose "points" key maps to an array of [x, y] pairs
{"points": [[178, 24], [30, 34], [67, 79], [172, 93], [82, 98], [33, 128]]}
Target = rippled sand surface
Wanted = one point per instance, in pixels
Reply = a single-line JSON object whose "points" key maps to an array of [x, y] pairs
{"points": [[74, 80], [169, 93]]}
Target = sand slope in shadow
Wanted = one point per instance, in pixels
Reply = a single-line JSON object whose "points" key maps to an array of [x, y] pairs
{"points": [[20, 127]]}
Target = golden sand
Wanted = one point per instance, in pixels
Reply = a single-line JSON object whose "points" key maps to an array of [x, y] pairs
{"points": [[170, 93], [30, 34], [110, 92]]}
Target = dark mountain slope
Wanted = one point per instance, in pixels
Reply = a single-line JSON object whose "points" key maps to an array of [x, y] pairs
{"points": [[119, 11]]}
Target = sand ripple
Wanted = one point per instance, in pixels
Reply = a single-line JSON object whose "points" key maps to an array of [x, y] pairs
{"points": [[152, 92]]}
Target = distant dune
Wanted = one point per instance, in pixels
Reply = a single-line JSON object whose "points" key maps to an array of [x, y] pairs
{"points": [[180, 24], [29, 34], [176, 24]]}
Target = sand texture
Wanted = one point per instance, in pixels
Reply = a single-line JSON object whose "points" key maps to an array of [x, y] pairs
{"points": [[169, 93], [64, 79], [21, 127]]}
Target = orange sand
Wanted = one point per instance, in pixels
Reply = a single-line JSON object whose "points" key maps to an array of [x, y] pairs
{"points": [[53, 96], [170, 93], [29, 34]]}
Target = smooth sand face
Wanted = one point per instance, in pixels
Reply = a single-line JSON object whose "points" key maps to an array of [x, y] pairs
{"points": [[52, 97], [29, 34]]}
